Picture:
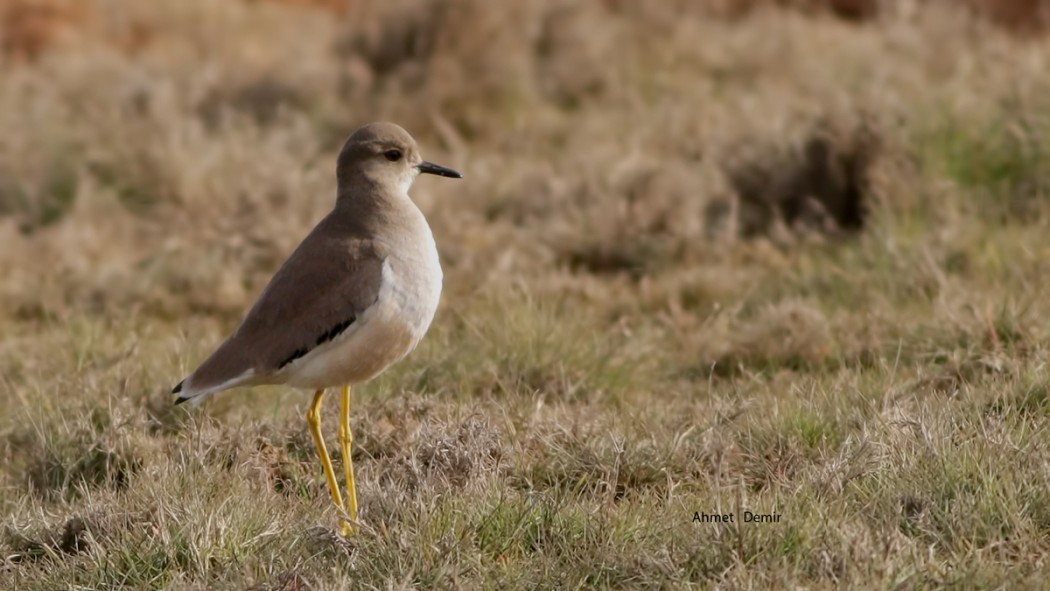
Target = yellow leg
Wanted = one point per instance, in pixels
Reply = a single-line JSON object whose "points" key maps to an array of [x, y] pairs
{"points": [[313, 417], [345, 441]]}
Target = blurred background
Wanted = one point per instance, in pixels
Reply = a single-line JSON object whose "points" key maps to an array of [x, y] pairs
{"points": [[164, 157], [785, 255]]}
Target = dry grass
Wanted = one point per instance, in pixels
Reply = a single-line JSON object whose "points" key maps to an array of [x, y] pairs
{"points": [[706, 258]]}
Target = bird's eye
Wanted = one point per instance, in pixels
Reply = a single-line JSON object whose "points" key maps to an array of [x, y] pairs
{"points": [[393, 155]]}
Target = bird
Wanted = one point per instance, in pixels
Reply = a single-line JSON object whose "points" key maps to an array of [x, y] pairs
{"points": [[356, 296]]}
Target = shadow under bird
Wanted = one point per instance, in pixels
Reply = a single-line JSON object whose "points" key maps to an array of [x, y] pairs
{"points": [[356, 296]]}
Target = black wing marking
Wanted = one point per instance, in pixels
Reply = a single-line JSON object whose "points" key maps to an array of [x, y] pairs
{"points": [[326, 336]]}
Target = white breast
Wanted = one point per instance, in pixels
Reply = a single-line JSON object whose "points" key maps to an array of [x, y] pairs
{"points": [[412, 281]]}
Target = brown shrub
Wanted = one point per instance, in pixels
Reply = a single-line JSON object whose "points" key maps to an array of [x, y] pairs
{"points": [[847, 9], [820, 185], [263, 100], [1021, 16], [336, 7], [28, 27], [856, 10], [1024, 16]]}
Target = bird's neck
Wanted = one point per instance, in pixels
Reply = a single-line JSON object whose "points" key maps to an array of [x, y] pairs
{"points": [[368, 201]]}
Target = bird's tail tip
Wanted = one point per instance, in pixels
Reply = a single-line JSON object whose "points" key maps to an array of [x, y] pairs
{"points": [[195, 393], [186, 396], [194, 399]]}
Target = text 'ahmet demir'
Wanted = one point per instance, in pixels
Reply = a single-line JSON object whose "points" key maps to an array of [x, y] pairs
{"points": [[748, 517]]}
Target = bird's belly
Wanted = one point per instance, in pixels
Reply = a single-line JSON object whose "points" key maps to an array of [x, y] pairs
{"points": [[383, 335]]}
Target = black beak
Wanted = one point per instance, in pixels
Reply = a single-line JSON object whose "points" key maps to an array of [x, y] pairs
{"points": [[431, 168]]}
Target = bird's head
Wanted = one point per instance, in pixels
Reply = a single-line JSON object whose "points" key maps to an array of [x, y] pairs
{"points": [[386, 155]]}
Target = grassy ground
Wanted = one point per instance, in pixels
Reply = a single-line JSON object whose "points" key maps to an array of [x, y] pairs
{"points": [[701, 261]]}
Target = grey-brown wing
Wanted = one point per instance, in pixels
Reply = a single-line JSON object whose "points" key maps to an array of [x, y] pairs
{"points": [[320, 291]]}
